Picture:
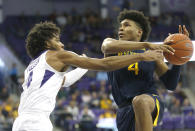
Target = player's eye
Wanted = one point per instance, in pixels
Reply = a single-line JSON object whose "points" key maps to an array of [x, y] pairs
{"points": [[127, 24]]}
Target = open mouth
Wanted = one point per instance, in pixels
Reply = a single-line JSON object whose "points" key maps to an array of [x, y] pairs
{"points": [[120, 35]]}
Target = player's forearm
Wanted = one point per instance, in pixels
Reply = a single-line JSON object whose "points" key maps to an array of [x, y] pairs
{"points": [[108, 63], [161, 68], [105, 64], [171, 77], [116, 62], [73, 76], [120, 46]]}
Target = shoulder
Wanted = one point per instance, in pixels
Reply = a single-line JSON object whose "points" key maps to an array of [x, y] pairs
{"points": [[53, 59], [62, 57], [52, 54]]}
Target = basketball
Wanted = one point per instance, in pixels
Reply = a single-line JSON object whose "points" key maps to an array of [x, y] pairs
{"points": [[183, 49]]}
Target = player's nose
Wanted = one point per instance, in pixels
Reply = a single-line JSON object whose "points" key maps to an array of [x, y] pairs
{"points": [[121, 28], [62, 46]]}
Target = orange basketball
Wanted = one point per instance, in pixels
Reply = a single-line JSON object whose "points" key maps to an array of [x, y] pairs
{"points": [[183, 49]]}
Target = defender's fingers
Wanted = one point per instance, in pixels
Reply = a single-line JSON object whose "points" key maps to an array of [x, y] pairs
{"points": [[168, 42], [168, 51], [170, 48]]}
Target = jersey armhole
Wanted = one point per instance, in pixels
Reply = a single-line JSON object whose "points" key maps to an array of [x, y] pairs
{"points": [[50, 67]]}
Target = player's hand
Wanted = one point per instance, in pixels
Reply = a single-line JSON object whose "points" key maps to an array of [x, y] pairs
{"points": [[152, 55], [164, 47], [183, 30]]}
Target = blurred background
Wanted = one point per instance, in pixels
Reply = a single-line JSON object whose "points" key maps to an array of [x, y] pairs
{"points": [[88, 104]]}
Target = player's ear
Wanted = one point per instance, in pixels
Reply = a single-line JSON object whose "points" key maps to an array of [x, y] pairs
{"points": [[140, 32], [48, 44]]}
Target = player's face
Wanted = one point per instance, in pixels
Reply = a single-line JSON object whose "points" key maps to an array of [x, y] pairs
{"points": [[55, 44], [128, 30]]}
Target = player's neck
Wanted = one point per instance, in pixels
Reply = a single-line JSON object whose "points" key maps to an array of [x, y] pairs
{"points": [[135, 39]]}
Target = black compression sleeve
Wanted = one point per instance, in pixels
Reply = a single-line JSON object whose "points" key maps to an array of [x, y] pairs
{"points": [[171, 77]]}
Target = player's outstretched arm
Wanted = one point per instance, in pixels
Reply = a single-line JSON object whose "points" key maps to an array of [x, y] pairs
{"points": [[105, 64], [113, 46], [170, 77]]}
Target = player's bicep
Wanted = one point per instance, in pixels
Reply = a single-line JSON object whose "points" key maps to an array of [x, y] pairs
{"points": [[67, 57], [161, 67]]}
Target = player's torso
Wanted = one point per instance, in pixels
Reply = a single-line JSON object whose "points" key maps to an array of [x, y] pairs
{"points": [[134, 79], [139, 71], [40, 87]]}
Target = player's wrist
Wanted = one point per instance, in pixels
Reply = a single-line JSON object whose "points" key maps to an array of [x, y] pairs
{"points": [[141, 56]]}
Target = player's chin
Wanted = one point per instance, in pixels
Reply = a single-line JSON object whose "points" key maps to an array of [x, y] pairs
{"points": [[122, 38], [61, 49]]}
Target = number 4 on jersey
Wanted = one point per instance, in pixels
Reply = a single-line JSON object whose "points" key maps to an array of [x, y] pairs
{"points": [[134, 67]]}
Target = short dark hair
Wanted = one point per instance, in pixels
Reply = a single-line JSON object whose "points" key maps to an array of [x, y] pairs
{"points": [[38, 36], [138, 17]]}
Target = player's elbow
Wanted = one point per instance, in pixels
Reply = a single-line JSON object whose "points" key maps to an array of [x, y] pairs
{"points": [[104, 48], [106, 45]]}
